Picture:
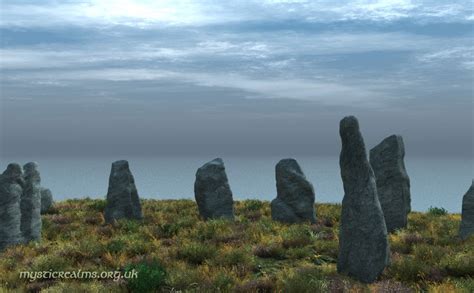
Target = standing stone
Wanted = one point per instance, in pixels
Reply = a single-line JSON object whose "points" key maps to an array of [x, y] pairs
{"points": [[295, 195], [30, 204], [467, 217], [363, 245], [393, 183], [46, 200], [122, 195], [212, 191], [11, 182]]}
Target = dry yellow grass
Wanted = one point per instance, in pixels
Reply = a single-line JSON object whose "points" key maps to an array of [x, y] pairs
{"points": [[174, 250]]}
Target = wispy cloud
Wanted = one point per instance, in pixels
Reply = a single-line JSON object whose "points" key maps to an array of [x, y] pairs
{"points": [[230, 47], [183, 12], [317, 90], [213, 71], [333, 66], [463, 55], [377, 10]]}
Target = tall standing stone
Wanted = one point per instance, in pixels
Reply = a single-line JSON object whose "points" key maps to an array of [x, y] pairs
{"points": [[467, 217], [11, 182], [46, 200], [212, 191], [31, 203], [363, 245], [295, 194], [393, 183], [122, 196]]}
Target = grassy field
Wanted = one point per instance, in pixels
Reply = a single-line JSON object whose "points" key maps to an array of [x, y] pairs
{"points": [[173, 250]]}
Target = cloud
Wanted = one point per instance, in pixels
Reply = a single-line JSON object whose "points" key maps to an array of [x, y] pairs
{"points": [[462, 55], [54, 56], [316, 90], [376, 10], [165, 41], [189, 13], [324, 92], [260, 50]]}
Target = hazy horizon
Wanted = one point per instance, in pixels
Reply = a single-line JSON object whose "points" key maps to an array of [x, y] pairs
{"points": [[247, 78]]}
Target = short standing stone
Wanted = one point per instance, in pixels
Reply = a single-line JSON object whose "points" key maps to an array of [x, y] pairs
{"points": [[46, 200], [11, 183], [363, 244], [467, 217], [295, 194], [123, 201], [31, 204], [393, 183], [212, 191]]}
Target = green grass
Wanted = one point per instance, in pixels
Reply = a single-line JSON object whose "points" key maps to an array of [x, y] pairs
{"points": [[173, 250], [437, 211]]}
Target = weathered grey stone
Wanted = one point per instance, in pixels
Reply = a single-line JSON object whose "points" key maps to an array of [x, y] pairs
{"points": [[46, 200], [295, 194], [393, 183], [363, 245], [467, 217], [11, 182], [212, 191], [122, 196], [30, 204]]}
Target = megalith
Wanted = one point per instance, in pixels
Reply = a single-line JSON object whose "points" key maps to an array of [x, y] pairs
{"points": [[212, 191], [363, 244], [295, 194], [30, 203], [467, 217], [122, 199], [11, 182], [47, 201], [393, 183]]}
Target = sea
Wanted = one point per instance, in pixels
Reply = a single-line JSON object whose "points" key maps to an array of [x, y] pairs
{"points": [[435, 181]]}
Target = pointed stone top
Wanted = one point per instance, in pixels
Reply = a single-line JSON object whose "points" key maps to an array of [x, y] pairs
{"points": [[471, 188], [391, 148], [288, 161], [120, 165], [13, 170], [392, 141], [216, 161], [32, 173], [393, 137], [349, 123], [31, 166], [215, 165], [352, 141], [120, 172], [288, 165], [13, 174], [470, 191]]}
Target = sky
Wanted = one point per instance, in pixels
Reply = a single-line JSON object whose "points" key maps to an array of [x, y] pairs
{"points": [[252, 78]]}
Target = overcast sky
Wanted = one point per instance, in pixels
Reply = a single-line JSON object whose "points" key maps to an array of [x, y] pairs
{"points": [[250, 77]]}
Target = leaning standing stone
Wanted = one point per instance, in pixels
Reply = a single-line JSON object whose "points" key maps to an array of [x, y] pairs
{"points": [[393, 183], [212, 191], [11, 182], [467, 217], [31, 204], [295, 194], [46, 200], [363, 244], [122, 195]]}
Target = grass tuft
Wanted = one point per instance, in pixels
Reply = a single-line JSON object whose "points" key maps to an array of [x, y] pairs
{"points": [[251, 254]]}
